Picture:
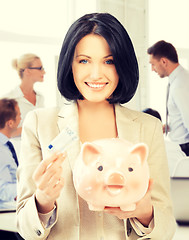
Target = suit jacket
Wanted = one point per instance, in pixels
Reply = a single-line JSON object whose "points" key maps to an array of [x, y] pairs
{"points": [[41, 127]]}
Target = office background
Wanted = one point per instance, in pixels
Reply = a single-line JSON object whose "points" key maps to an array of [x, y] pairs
{"points": [[39, 26]]}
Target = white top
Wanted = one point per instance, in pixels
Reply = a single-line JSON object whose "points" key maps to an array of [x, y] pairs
{"points": [[24, 105]]}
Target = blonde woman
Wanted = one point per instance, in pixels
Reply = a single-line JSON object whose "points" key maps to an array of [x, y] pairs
{"points": [[30, 70]]}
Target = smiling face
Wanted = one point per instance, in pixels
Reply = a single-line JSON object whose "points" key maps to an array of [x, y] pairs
{"points": [[93, 68]]}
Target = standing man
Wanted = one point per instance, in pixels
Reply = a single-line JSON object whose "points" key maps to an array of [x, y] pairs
{"points": [[164, 61], [9, 121]]}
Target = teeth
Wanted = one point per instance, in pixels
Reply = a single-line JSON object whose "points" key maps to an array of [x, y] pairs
{"points": [[95, 85]]}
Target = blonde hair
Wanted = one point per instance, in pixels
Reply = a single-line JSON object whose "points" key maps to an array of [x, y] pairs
{"points": [[25, 61]]}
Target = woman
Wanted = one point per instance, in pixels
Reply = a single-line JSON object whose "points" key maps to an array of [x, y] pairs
{"points": [[30, 71], [97, 71]]}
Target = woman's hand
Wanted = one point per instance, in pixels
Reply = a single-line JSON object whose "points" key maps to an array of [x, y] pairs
{"points": [[49, 182], [143, 211]]}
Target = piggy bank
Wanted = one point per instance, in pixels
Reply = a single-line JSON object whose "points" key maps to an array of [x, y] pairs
{"points": [[111, 172]]}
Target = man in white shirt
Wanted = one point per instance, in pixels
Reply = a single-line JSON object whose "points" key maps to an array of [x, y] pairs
{"points": [[164, 61]]}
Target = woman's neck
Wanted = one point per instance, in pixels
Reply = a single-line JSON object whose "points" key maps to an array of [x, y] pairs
{"points": [[84, 105], [26, 87], [96, 120], [28, 92]]}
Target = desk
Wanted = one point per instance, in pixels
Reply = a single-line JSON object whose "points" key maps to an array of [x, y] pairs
{"points": [[182, 233], [8, 221]]}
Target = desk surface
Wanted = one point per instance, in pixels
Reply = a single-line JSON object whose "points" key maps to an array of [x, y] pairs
{"points": [[8, 221], [182, 232]]}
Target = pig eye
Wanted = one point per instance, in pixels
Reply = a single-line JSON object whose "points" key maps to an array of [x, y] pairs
{"points": [[100, 168], [130, 169]]}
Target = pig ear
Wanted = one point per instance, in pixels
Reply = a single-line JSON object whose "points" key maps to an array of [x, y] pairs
{"points": [[90, 152], [140, 149]]}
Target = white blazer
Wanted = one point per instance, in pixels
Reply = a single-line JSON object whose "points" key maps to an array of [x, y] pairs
{"points": [[41, 127]]}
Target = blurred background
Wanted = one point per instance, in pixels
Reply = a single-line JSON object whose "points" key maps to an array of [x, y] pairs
{"points": [[39, 27]]}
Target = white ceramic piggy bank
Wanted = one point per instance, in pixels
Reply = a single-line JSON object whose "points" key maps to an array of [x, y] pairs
{"points": [[111, 172]]}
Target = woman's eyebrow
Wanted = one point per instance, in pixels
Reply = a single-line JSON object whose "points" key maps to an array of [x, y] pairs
{"points": [[110, 55], [82, 55]]}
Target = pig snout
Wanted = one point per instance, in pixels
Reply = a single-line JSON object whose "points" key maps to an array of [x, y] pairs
{"points": [[115, 183], [116, 179]]}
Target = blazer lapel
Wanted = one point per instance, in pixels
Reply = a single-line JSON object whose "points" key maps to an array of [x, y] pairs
{"points": [[127, 127], [68, 117]]}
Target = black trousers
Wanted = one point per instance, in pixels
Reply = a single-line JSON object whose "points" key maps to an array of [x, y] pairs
{"points": [[5, 235], [185, 148]]}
